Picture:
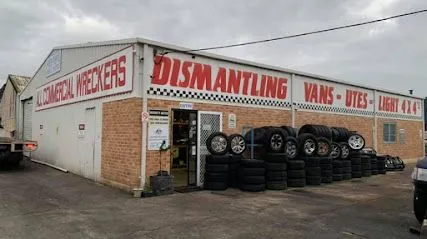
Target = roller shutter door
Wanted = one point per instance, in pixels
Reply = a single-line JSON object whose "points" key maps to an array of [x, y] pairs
{"points": [[28, 115]]}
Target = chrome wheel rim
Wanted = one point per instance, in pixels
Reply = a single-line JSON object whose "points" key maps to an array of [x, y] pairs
{"points": [[356, 142], [335, 152], [238, 144], [276, 142], [309, 146], [345, 151], [219, 144], [291, 149], [322, 148]]}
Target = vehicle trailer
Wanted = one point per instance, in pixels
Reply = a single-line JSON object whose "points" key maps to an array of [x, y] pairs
{"points": [[12, 151]]}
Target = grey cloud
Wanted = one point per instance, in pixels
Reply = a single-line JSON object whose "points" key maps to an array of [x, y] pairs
{"points": [[386, 55]]}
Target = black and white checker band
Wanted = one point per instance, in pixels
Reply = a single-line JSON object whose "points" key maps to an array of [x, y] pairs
{"points": [[216, 97], [334, 109]]}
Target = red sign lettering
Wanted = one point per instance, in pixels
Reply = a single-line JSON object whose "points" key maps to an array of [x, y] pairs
{"points": [[388, 104], [317, 93], [188, 74], [356, 99]]}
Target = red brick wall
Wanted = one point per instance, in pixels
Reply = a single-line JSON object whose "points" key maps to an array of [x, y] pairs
{"points": [[121, 143], [363, 125], [245, 116], [412, 148]]}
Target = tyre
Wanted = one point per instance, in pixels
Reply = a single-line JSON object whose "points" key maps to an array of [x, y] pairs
{"points": [[336, 164], [325, 160], [277, 185], [252, 163], [275, 157], [274, 140], [317, 130], [346, 176], [311, 162], [326, 167], [356, 168], [252, 187], [313, 172], [290, 130], [346, 170], [258, 135], [326, 173], [337, 171], [276, 167], [326, 179], [337, 177], [356, 174], [341, 134], [296, 165], [420, 206], [366, 173], [276, 176], [335, 151], [300, 182], [215, 185], [234, 159], [216, 177], [236, 144], [356, 141], [251, 171], [345, 150], [366, 167], [217, 168], [217, 143], [356, 161], [346, 163], [291, 147], [307, 144], [323, 146], [252, 179], [296, 174], [314, 180], [374, 172], [217, 159]]}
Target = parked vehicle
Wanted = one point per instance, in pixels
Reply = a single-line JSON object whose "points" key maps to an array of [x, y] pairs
{"points": [[11, 150], [419, 177]]}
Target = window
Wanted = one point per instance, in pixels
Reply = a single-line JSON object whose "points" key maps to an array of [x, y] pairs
{"points": [[389, 132]]}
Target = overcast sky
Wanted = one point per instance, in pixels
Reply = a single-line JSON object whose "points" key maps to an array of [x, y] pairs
{"points": [[390, 55]]}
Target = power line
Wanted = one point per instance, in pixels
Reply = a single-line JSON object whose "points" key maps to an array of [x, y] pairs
{"points": [[303, 34]]}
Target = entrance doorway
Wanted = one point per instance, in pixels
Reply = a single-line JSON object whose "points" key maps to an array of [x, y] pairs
{"points": [[184, 148]]}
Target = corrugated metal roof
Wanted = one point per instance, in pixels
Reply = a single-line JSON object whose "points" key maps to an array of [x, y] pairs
{"points": [[19, 82]]}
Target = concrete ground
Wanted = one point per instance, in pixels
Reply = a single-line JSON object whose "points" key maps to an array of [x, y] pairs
{"points": [[39, 202]]}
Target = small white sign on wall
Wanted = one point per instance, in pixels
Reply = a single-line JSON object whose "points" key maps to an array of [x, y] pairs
{"points": [[232, 121], [185, 106], [158, 129]]}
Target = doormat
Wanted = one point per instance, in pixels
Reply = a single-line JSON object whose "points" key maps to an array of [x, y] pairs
{"points": [[188, 189]]}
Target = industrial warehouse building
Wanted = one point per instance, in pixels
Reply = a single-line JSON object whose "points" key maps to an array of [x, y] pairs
{"points": [[102, 110]]}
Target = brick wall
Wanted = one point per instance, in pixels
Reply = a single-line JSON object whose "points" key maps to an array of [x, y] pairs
{"points": [[121, 143], [363, 125], [412, 148], [255, 117]]}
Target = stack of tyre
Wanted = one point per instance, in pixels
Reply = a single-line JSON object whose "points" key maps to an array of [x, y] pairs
{"points": [[340, 152], [278, 156], [374, 163], [381, 165], [315, 144], [365, 162], [251, 175], [222, 163]]}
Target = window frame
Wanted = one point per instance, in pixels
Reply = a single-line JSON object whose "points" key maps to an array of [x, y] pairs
{"points": [[388, 140]]}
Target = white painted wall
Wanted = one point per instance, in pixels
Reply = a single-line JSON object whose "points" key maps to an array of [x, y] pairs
{"points": [[58, 141]]}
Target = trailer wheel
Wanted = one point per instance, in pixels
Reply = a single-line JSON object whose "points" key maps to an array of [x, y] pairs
{"points": [[275, 140], [356, 141], [307, 144], [323, 146], [291, 147], [217, 143], [335, 151], [236, 144], [345, 150]]}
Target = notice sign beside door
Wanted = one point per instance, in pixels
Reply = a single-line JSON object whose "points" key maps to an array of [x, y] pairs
{"points": [[158, 129]]}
